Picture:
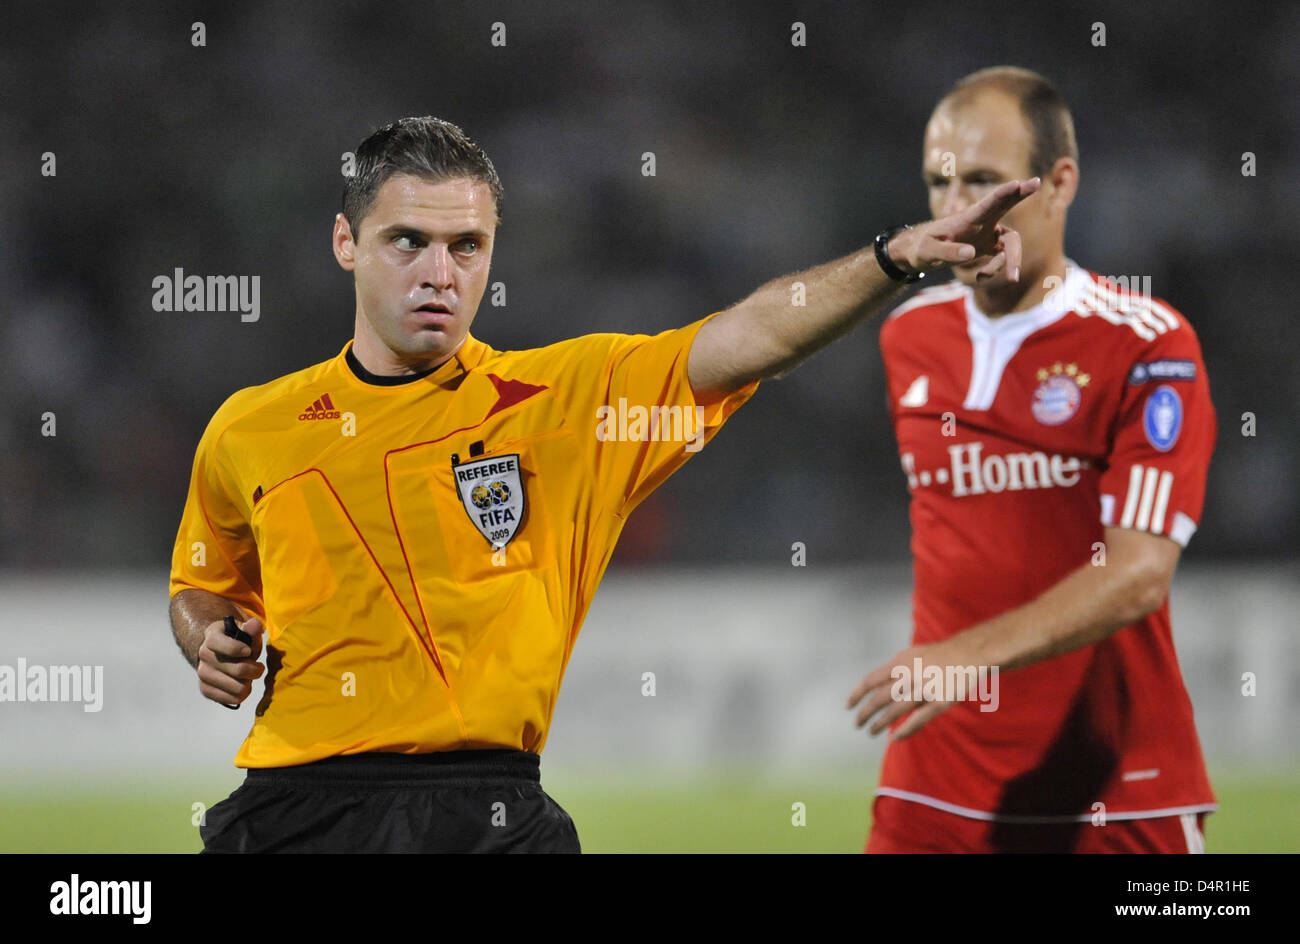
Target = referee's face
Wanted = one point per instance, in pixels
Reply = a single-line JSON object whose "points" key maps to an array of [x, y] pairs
{"points": [[420, 262]]}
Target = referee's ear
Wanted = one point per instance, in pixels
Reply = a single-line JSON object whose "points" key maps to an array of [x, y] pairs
{"points": [[345, 246]]}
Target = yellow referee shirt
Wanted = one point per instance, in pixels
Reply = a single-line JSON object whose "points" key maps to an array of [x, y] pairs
{"points": [[423, 553]]}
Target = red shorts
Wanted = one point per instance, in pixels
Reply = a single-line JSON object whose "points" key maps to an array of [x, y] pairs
{"points": [[906, 826]]}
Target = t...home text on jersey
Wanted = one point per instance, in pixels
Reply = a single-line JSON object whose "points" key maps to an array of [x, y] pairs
{"points": [[971, 474]]}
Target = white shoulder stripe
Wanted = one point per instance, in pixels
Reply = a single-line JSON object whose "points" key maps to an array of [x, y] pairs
{"points": [[1151, 311], [1147, 317], [1144, 314], [1090, 304], [935, 295], [1163, 311]]}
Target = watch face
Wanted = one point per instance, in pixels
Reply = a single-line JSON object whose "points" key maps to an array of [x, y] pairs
{"points": [[887, 265]]}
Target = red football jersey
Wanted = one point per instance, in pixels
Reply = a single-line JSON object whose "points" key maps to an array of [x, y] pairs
{"points": [[1021, 437]]}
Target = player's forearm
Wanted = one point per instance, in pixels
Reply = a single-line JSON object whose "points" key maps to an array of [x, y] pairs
{"points": [[1085, 607], [192, 611], [787, 320]]}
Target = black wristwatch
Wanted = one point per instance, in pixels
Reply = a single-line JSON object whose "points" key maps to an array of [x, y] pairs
{"points": [[887, 264]]}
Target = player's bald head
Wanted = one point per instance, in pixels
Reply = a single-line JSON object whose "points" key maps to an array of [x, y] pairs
{"points": [[1044, 110]]}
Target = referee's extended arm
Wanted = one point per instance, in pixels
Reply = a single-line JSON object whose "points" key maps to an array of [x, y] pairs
{"points": [[766, 336], [226, 667]]}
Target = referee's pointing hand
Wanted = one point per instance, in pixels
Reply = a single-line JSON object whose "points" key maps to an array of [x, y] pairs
{"points": [[227, 667], [970, 234]]}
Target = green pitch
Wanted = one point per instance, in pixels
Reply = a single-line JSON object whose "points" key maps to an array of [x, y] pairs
{"points": [[729, 813]]}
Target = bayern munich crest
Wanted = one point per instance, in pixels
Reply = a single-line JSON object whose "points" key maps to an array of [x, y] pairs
{"points": [[492, 492], [1059, 393]]}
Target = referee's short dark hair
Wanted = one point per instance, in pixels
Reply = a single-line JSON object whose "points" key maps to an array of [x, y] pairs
{"points": [[427, 147], [1051, 128]]}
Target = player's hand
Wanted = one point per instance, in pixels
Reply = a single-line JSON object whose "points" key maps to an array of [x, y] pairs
{"points": [[878, 690], [970, 234], [227, 667]]}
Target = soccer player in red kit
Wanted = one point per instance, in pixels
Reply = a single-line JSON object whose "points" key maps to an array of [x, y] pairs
{"points": [[1055, 435]]}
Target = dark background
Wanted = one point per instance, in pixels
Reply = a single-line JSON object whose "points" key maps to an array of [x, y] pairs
{"points": [[226, 160]]}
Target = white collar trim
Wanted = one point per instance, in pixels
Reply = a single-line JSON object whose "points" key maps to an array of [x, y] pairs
{"points": [[994, 341]]}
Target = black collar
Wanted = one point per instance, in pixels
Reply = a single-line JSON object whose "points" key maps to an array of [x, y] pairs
{"points": [[366, 376]]}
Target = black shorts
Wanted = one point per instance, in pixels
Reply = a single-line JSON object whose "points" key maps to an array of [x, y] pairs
{"points": [[449, 801]]}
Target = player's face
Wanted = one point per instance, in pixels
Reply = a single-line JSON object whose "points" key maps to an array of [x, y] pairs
{"points": [[421, 264], [969, 150]]}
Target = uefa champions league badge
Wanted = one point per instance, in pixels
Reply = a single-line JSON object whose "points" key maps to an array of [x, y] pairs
{"points": [[492, 493], [1162, 417], [1059, 393]]}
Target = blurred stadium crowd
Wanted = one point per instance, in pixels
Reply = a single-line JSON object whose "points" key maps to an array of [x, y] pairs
{"points": [[225, 159]]}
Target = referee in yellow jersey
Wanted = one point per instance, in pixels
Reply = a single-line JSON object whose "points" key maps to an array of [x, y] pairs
{"points": [[414, 529]]}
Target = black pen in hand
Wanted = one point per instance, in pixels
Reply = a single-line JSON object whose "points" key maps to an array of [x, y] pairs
{"points": [[234, 632]]}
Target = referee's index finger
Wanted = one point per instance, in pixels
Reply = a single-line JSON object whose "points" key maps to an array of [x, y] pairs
{"points": [[996, 204]]}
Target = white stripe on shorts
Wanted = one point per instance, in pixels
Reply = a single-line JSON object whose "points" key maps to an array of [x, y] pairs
{"points": [[1195, 839]]}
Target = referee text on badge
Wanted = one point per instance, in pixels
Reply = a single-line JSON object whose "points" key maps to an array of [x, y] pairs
{"points": [[656, 423]]}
